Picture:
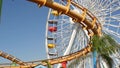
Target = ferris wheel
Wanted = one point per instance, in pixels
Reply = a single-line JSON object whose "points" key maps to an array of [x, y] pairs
{"points": [[69, 28], [65, 36]]}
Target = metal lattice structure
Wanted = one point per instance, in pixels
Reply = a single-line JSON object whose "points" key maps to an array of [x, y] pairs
{"points": [[71, 24], [107, 14]]}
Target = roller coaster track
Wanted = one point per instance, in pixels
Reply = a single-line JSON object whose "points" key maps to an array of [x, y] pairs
{"points": [[55, 60], [11, 58], [92, 25]]}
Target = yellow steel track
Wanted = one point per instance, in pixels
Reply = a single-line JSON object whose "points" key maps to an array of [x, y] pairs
{"points": [[54, 60], [11, 58], [92, 25]]}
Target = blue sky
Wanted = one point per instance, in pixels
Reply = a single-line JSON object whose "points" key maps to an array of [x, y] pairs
{"points": [[22, 30]]}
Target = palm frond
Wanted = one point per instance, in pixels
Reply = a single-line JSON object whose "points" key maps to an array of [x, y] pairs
{"points": [[0, 7], [104, 45], [108, 59]]}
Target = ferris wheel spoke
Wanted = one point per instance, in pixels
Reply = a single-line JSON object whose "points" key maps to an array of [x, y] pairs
{"points": [[112, 32], [115, 9], [117, 17], [106, 11], [109, 3], [118, 21], [115, 26], [67, 40]]}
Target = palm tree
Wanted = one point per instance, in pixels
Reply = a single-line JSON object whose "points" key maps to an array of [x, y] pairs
{"points": [[103, 47]]}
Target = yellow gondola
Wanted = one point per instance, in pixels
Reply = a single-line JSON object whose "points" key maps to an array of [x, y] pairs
{"points": [[51, 45]]}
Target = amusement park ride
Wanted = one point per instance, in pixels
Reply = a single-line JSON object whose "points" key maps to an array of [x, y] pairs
{"points": [[69, 28]]}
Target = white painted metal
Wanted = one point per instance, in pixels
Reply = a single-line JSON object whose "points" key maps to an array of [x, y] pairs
{"points": [[71, 40], [46, 35], [106, 11]]}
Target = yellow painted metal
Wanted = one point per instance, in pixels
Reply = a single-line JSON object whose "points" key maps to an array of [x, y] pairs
{"points": [[68, 6], [84, 26], [85, 52], [90, 47], [91, 16], [12, 58], [84, 14], [75, 55], [70, 57], [55, 13], [17, 67], [42, 4], [71, 13], [51, 45], [99, 29], [93, 22], [90, 33], [93, 26]]}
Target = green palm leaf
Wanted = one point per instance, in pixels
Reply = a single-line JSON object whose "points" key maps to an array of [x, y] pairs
{"points": [[105, 46], [0, 7], [108, 59]]}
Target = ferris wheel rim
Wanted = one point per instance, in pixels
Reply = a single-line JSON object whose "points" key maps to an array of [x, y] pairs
{"points": [[116, 0]]}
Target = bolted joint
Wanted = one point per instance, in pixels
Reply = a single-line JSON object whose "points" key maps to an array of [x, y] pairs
{"points": [[90, 32], [93, 22], [84, 14], [84, 26], [99, 29], [68, 6], [39, 2], [56, 13], [75, 20]]}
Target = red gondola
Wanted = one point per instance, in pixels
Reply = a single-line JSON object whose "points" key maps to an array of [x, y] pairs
{"points": [[64, 64], [52, 28]]}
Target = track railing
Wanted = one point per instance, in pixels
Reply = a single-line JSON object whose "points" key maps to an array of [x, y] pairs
{"points": [[11, 58], [92, 25]]}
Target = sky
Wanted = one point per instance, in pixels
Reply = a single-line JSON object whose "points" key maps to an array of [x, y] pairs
{"points": [[22, 30]]}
